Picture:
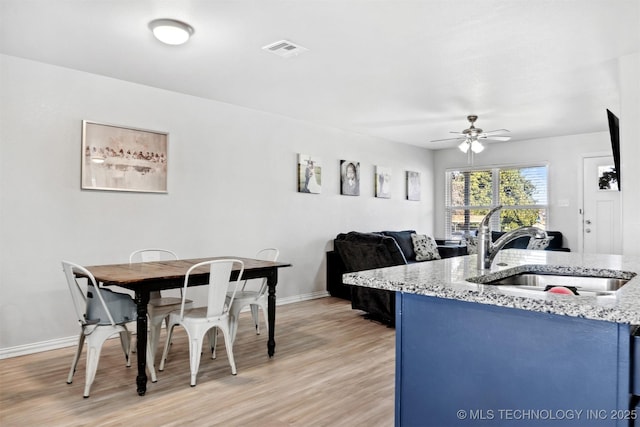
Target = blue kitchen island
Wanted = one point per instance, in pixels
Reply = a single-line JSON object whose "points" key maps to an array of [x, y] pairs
{"points": [[471, 353]]}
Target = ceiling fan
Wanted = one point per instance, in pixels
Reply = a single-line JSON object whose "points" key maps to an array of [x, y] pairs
{"points": [[470, 139]]}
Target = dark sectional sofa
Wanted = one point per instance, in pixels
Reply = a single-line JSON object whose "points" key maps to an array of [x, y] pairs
{"points": [[357, 251], [555, 244]]}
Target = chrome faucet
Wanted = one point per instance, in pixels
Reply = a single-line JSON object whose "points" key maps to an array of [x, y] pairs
{"points": [[487, 250]]}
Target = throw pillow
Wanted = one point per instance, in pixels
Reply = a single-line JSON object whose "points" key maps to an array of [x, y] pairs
{"points": [[403, 239], [425, 247], [472, 244], [539, 244]]}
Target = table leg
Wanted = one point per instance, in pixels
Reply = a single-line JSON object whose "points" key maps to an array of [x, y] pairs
{"points": [[142, 299], [272, 280]]}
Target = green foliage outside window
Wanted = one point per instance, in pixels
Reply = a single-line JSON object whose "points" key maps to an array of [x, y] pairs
{"points": [[472, 195]]}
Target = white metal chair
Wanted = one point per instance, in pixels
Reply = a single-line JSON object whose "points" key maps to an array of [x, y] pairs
{"points": [[101, 314], [256, 299], [206, 320], [159, 306]]}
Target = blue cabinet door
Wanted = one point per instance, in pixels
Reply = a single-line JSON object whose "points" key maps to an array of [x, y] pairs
{"points": [[469, 364]]}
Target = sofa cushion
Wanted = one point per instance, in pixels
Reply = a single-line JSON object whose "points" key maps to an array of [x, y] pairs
{"points": [[425, 247], [403, 239], [472, 244], [519, 243], [539, 244], [366, 251], [556, 242]]}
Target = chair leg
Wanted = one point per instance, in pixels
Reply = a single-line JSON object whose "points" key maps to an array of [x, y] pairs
{"points": [[150, 361], [212, 334], [125, 342], [255, 308], [234, 314], [94, 346], [74, 363], [152, 347], [166, 325], [195, 354], [228, 344], [166, 347], [254, 315], [93, 355], [263, 306]]}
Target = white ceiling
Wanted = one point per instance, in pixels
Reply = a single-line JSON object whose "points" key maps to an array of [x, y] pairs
{"points": [[405, 71]]}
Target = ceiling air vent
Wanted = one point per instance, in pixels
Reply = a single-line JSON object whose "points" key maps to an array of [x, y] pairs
{"points": [[285, 48]]}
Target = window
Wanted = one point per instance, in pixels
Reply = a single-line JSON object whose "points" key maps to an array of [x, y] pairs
{"points": [[470, 194]]}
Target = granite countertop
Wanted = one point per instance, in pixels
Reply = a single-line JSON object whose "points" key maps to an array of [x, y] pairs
{"points": [[458, 278]]}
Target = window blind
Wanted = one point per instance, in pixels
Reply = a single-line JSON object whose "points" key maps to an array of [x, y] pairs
{"points": [[471, 193]]}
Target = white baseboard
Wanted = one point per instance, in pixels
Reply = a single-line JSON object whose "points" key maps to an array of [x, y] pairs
{"points": [[38, 347]]}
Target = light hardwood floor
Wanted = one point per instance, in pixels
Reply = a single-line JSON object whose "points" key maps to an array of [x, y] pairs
{"points": [[332, 367]]}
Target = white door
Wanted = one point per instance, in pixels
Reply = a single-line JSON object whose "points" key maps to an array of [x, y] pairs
{"points": [[601, 228]]}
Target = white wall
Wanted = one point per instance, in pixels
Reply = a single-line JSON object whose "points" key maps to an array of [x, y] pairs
{"points": [[630, 152], [564, 155], [232, 190]]}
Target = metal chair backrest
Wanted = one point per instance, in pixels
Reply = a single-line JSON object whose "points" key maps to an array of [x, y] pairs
{"points": [[80, 294], [219, 284], [152, 254], [267, 254]]}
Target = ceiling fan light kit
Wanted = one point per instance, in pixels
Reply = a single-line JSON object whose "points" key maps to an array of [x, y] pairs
{"points": [[464, 146], [171, 31], [470, 139]]}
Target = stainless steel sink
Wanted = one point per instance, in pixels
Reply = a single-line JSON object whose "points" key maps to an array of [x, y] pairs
{"points": [[539, 291], [536, 280], [582, 284]]}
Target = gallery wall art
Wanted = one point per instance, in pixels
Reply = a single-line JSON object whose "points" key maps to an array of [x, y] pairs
{"points": [[383, 182], [349, 178], [123, 159], [413, 185], [309, 174]]}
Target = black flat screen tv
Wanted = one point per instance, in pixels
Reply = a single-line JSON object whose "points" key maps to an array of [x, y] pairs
{"points": [[614, 132]]}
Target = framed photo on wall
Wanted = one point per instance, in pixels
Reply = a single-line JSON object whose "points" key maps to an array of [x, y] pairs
{"points": [[309, 174], [413, 185], [383, 182], [120, 158], [349, 178]]}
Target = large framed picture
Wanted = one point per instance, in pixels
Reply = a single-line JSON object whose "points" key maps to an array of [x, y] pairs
{"points": [[120, 158]]}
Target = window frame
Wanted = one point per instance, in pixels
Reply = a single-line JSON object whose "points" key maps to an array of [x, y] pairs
{"points": [[495, 194]]}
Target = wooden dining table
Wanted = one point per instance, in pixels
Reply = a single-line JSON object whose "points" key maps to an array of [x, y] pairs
{"points": [[145, 277]]}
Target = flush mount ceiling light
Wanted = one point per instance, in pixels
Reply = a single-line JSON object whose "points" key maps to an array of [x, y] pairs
{"points": [[171, 31]]}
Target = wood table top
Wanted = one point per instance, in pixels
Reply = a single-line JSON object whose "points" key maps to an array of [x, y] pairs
{"points": [[127, 274]]}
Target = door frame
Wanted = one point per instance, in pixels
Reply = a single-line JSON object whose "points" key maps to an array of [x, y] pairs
{"points": [[580, 216]]}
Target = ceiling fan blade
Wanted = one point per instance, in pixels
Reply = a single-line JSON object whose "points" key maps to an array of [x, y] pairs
{"points": [[496, 138], [496, 131], [476, 134], [462, 138]]}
